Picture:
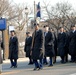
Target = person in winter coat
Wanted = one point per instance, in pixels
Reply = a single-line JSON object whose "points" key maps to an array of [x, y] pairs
{"points": [[55, 44], [13, 49], [37, 48], [66, 46], [49, 45], [72, 43], [27, 47], [61, 42]]}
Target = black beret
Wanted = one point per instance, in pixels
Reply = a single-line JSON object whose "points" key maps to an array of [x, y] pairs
{"points": [[72, 25], [12, 31], [61, 27], [36, 24], [46, 26], [27, 32]]}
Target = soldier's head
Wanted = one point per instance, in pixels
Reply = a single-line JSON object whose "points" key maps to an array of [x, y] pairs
{"points": [[65, 30], [51, 29], [46, 28], [72, 27], [61, 29], [36, 25], [27, 34], [13, 33]]}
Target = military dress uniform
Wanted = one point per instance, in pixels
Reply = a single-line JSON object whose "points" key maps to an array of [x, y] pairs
{"points": [[72, 45], [61, 43], [27, 48], [38, 48], [13, 51], [49, 47]]}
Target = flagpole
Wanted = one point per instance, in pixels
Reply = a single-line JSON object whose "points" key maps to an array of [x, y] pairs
{"points": [[34, 11]]}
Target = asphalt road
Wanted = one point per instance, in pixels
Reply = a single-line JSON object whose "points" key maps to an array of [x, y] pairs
{"points": [[25, 69]]}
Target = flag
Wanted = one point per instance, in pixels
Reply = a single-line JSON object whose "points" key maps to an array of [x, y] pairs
{"points": [[38, 10]]}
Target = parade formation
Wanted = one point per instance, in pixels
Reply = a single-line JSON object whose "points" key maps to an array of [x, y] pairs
{"points": [[43, 44], [44, 40]]}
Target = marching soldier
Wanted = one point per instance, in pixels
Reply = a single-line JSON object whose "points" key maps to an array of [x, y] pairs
{"points": [[49, 45], [61, 44], [55, 44], [37, 49], [13, 49], [27, 47], [72, 43], [66, 46]]}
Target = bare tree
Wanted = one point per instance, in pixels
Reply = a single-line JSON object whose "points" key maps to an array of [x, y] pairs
{"points": [[14, 13], [60, 14], [8, 9], [20, 21]]}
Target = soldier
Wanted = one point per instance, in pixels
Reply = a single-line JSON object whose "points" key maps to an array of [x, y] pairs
{"points": [[37, 49], [45, 62], [67, 45], [27, 47], [55, 44], [72, 43], [13, 49], [49, 45], [61, 42]]}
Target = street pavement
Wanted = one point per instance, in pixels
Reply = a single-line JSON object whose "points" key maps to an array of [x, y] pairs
{"points": [[25, 69]]}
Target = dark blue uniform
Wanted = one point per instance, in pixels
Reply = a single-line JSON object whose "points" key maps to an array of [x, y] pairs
{"points": [[38, 48], [27, 48], [61, 45], [72, 45], [49, 47], [13, 50]]}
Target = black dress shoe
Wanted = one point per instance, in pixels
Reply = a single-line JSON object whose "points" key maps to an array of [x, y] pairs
{"points": [[40, 68], [63, 62], [11, 66], [72, 61], [45, 63], [15, 66], [50, 65], [35, 69], [30, 63], [54, 62]]}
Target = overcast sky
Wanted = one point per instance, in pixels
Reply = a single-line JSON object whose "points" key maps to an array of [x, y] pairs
{"points": [[53, 2]]}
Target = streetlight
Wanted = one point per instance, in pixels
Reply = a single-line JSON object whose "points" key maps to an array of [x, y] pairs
{"points": [[26, 12]]}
